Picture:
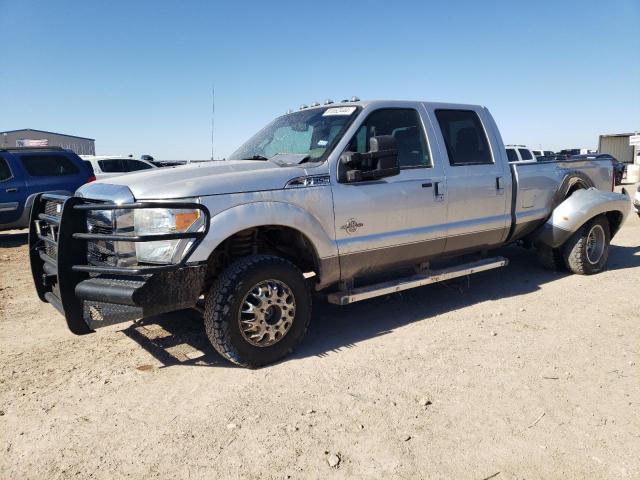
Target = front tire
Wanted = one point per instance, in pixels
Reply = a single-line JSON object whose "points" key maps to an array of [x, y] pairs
{"points": [[586, 252], [257, 310]]}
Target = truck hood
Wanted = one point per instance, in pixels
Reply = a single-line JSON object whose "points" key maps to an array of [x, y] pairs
{"points": [[202, 179]]}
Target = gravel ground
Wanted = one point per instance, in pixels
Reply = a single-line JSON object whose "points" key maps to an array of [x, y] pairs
{"points": [[510, 374]]}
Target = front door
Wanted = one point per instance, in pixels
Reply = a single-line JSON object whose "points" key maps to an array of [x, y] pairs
{"points": [[395, 220], [12, 193]]}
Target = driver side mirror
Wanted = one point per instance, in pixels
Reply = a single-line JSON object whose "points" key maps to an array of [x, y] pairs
{"points": [[380, 161]]}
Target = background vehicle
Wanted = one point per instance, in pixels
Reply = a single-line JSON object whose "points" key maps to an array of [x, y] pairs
{"points": [[25, 172], [636, 201], [542, 153], [519, 153], [111, 166], [329, 198]]}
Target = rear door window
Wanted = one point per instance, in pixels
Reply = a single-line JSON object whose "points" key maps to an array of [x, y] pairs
{"points": [[112, 166], [464, 137], [48, 165], [5, 171], [135, 165], [512, 155], [525, 154]]}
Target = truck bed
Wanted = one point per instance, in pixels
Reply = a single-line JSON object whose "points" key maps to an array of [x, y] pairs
{"points": [[538, 187]]}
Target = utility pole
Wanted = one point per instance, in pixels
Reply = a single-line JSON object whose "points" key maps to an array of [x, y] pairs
{"points": [[213, 112]]}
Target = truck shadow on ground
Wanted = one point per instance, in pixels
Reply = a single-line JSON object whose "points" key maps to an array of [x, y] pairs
{"points": [[12, 240], [179, 338]]}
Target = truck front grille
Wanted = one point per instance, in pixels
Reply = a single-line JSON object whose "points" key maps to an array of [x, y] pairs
{"points": [[52, 208], [101, 252]]}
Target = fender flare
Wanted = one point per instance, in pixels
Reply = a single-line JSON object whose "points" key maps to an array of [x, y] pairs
{"points": [[228, 222], [577, 210]]}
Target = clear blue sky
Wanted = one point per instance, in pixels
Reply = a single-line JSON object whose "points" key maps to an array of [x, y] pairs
{"points": [[137, 76]]}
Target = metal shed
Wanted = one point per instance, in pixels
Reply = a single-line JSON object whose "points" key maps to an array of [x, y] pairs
{"points": [[28, 137], [618, 146]]}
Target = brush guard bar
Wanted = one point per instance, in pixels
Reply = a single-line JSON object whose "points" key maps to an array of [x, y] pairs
{"points": [[92, 296]]}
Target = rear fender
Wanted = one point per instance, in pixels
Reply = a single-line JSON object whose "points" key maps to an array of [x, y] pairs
{"points": [[578, 209]]}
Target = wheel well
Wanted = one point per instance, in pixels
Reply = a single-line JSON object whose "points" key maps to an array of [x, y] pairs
{"points": [[615, 219], [575, 185], [285, 242]]}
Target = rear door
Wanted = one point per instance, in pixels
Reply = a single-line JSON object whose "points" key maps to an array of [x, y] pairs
{"points": [[13, 191], [478, 214]]}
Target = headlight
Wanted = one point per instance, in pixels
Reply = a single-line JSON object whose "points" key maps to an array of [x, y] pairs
{"points": [[154, 221]]}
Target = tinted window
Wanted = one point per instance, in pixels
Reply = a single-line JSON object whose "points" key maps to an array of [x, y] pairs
{"points": [[48, 165], [135, 165], [111, 166], [464, 137], [548, 153], [525, 154], [512, 155], [89, 165], [5, 171], [537, 153], [405, 126]]}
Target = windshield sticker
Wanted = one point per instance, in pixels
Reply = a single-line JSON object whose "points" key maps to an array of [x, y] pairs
{"points": [[339, 111], [322, 143]]}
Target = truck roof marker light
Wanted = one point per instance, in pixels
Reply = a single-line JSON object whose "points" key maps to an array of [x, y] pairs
{"points": [[344, 101], [328, 101], [303, 106], [315, 104], [290, 110], [355, 99]]}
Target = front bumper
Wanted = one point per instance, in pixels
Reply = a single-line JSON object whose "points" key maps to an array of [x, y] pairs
{"points": [[93, 296]]}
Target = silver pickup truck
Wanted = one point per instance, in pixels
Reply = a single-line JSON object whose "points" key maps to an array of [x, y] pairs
{"points": [[349, 200]]}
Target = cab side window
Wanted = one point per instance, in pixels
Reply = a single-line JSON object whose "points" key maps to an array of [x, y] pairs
{"points": [[464, 137], [111, 166], [48, 165], [5, 171], [525, 154], [512, 155], [405, 126], [135, 165]]}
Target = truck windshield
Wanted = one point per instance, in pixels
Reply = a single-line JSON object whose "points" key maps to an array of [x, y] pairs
{"points": [[307, 135]]}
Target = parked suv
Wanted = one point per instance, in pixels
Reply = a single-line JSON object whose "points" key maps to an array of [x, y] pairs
{"points": [[519, 153], [111, 166], [25, 172]]}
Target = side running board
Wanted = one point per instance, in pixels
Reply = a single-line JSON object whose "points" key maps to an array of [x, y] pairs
{"points": [[432, 276]]}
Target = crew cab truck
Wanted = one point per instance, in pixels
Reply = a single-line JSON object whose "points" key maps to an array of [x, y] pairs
{"points": [[327, 199]]}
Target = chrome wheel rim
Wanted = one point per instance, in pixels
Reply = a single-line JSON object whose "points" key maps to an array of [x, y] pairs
{"points": [[595, 244], [266, 313]]}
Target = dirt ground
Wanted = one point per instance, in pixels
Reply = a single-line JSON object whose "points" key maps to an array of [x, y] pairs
{"points": [[518, 373]]}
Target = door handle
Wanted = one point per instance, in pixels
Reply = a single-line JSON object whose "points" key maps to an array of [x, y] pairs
{"points": [[11, 190], [427, 185], [438, 191], [499, 183]]}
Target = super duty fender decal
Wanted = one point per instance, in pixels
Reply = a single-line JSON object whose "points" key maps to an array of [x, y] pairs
{"points": [[578, 209], [241, 217]]}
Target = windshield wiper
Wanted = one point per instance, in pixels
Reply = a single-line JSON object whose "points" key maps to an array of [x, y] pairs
{"points": [[255, 157]]}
